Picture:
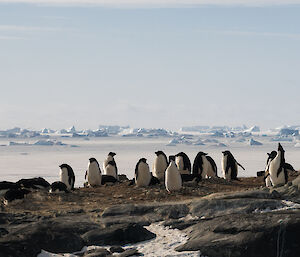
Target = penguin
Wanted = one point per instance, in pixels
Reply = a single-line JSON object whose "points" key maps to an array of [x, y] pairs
{"points": [[173, 181], [183, 163], [33, 183], [58, 187], [267, 178], [105, 179], [212, 168], [93, 173], [277, 170], [109, 170], [14, 194], [67, 176], [142, 173], [204, 166], [230, 166], [6, 185], [154, 180], [160, 165]]}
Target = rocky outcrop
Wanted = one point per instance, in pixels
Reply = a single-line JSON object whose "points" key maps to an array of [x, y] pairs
{"points": [[257, 223]]}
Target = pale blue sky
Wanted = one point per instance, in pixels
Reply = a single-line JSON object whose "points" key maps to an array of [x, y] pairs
{"points": [[149, 67]]}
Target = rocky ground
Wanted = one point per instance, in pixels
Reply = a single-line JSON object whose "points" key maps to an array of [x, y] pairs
{"points": [[228, 218]]}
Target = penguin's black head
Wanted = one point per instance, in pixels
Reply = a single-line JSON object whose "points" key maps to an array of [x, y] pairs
{"points": [[226, 152], [202, 153], [172, 158], [143, 160], [159, 153], [180, 154], [272, 154], [112, 154], [64, 165], [92, 160], [280, 148]]}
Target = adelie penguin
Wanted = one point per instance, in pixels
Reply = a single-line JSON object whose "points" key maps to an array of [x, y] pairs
{"points": [[204, 166], [230, 166], [160, 165], [173, 181], [271, 156], [14, 194], [33, 183], [6, 185], [183, 163], [58, 187], [277, 170], [67, 176], [109, 165], [142, 173], [93, 174]]}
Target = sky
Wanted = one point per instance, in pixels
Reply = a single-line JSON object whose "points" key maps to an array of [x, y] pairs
{"points": [[149, 63]]}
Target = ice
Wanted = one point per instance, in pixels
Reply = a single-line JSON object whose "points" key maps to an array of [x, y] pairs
{"points": [[254, 142]]}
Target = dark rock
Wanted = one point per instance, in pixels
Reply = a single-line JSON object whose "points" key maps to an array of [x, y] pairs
{"points": [[246, 235], [118, 235], [3, 232], [116, 249], [220, 207], [129, 252], [98, 252], [58, 236]]}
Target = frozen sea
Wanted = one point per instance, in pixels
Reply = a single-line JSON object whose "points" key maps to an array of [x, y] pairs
{"points": [[25, 161]]}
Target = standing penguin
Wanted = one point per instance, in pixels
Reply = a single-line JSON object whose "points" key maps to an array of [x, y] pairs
{"points": [[160, 165], [173, 181], [230, 166], [93, 173], [183, 163], [204, 166], [271, 156], [6, 185], [277, 169], [142, 173], [110, 171], [67, 176]]}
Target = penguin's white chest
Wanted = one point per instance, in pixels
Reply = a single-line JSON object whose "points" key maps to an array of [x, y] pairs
{"points": [[143, 177], [105, 163], [173, 181], [159, 167], [110, 170], [224, 165], [205, 167], [64, 177], [273, 170], [94, 174]]}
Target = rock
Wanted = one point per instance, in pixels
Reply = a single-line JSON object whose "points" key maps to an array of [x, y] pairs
{"points": [[118, 235], [116, 249], [57, 236], [246, 235], [219, 207], [129, 252], [98, 252]]}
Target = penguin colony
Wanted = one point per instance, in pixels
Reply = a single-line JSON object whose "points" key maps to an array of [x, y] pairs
{"points": [[172, 172]]}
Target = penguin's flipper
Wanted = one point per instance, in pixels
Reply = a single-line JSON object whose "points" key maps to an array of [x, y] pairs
{"points": [[85, 175], [288, 166], [240, 165]]}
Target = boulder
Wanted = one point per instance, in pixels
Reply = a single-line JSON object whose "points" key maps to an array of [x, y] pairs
{"points": [[119, 234]]}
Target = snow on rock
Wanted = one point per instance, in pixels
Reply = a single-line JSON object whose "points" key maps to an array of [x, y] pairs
{"points": [[165, 242], [254, 142]]}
